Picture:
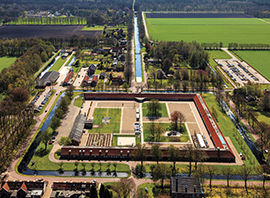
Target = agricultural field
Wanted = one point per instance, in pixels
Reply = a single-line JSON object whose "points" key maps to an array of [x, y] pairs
{"points": [[209, 30], [6, 61], [257, 59], [22, 31]]}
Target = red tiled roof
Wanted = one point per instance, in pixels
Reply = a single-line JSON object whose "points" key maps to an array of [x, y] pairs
{"points": [[69, 76], [5, 187], [95, 78], [86, 78], [23, 187]]}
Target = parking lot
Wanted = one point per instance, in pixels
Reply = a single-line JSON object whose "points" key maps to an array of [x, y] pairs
{"points": [[80, 77], [240, 72]]}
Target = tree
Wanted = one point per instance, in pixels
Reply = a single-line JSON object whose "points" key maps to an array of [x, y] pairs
{"points": [[154, 107], [69, 91], [76, 163], [176, 117], [184, 73], [125, 86], [228, 172], [44, 137], [173, 155], [156, 152], [141, 193], [167, 64], [64, 141], [124, 187], [244, 173], [140, 155], [211, 170], [263, 170], [20, 95], [161, 172], [265, 103], [188, 153], [55, 122], [198, 156], [263, 130], [93, 191]]}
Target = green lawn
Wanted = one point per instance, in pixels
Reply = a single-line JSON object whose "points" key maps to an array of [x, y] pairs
{"points": [[149, 186], [114, 124], [78, 102], [227, 127], [257, 59], [166, 127], [163, 111], [209, 30], [42, 162], [216, 54], [59, 63], [6, 61]]}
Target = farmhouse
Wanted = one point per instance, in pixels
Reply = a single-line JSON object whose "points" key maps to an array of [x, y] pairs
{"points": [[182, 186], [77, 129], [68, 79], [47, 79]]}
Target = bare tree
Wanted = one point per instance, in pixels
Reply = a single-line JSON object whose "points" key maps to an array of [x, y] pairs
{"points": [[228, 172], [245, 172], [211, 170]]}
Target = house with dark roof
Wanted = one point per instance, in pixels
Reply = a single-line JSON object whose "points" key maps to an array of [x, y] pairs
{"points": [[122, 58], [76, 132], [161, 74], [186, 187], [102, 75], [91, 70], [117, 80], [47, 79], [123, 42], [68, 79], [70, 189]]}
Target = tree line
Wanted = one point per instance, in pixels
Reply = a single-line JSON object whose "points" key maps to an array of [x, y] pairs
{"points": [[128, 70], [246, 46], [19, 74], [11, 10]]}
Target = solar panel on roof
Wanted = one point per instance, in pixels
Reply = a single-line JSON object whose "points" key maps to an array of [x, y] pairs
{"points": [[222, 140]]}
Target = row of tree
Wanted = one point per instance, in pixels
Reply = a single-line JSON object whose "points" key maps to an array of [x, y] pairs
{"points": [[128, 70], [246, 46]]}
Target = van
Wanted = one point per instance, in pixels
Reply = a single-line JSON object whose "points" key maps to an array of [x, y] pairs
{"points": [[137, 111], [137, 117]]}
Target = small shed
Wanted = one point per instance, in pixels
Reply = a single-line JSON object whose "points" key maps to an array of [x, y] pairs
{"points": [[88, 124]]}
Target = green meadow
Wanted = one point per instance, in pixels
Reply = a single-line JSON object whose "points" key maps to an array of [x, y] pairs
{"points": [[257, 59], [6, 61], [209, 30]]}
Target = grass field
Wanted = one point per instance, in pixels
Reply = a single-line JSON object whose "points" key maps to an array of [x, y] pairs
{"points": [[216, 54], [257, 59], [227, 128], [114, 124], [6, 61], [166, 126], [209, 30], [78, 102], [163, 112], [58, 64]]}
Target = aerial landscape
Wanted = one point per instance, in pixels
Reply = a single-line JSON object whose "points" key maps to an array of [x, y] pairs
{"points": [[134, 98]]}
